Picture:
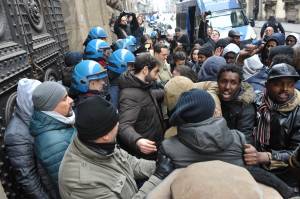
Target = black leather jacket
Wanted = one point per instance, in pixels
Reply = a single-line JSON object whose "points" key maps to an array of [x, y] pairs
{"points": [[240, 113], [284, 133]]}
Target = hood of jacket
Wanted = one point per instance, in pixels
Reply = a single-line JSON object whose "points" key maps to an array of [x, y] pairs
{"points": [[24, 106], [252, 65], [210, 68], [231, 48], [41, 122], [209, 136], [296, 35], [128, 80]]}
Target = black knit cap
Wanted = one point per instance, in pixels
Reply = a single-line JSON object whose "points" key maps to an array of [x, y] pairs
{"points": [[193, 106], [95, 118]]}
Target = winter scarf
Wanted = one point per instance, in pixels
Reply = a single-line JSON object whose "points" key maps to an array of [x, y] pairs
{"points": [[262, 132]]}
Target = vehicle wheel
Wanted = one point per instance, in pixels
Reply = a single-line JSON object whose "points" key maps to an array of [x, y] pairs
{"points": [[50, 75], [10, 107]]}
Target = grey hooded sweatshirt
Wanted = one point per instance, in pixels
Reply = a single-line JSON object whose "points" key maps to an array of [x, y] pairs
{"points": [[208, 140]]}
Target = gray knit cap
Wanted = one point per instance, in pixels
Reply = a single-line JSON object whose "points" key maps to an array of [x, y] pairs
{"points": [[47, 95]]}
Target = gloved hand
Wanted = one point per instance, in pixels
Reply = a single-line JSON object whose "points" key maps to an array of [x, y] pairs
{"points": [[164, 166]]}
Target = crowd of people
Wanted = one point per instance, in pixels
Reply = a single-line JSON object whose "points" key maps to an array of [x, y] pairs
{"points": [[130, 113]]}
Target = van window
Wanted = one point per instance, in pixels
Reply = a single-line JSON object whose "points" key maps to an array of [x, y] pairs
{"points": [[225, 19]]}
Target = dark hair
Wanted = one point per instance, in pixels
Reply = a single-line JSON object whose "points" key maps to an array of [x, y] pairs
{"points": [[158, 46], [193, 49], [72, 58], [206, 50], [199, 41], [187, 72], [222, 43], [217, 32], [144, 38], [179, 55], [281, 58], [177, 29], [231, 68], [145, 59]]}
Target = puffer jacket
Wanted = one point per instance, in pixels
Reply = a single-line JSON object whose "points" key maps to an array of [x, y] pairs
{"points": [[19, 147], [204, 141], [240, 113], [51, 139], [85, 173], [19, 144], [140, 115]]}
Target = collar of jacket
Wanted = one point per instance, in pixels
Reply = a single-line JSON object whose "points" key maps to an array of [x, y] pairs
{"points": [[247, 94], [87, 153], [102, 149], [129, 80]]}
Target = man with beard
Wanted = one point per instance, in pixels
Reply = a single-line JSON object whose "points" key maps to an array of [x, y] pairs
{"points": [[51, 125], [161, 52], [141, 122], [277, 135]]}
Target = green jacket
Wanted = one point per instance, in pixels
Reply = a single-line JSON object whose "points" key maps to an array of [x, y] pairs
{"points": [[86, 174]]}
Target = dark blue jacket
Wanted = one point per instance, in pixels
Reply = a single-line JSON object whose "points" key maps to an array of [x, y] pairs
{"points": [[52, 138], [31, 176]]}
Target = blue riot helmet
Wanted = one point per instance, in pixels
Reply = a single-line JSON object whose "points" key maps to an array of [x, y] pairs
{"points": [[119, 44], [119, 59], [84, 72], [130, 43], [132, 38], [97, 49], [95, 33]]}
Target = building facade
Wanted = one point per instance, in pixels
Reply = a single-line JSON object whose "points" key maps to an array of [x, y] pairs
{"points": [[283, 10]]}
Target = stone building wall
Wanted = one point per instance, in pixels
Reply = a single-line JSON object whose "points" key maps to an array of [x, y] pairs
{"points": [[81, 15]]}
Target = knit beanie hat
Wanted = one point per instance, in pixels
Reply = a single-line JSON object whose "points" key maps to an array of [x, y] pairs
{"points": [[210, 68], [193, 106], [95, 118], [47, 95]]}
